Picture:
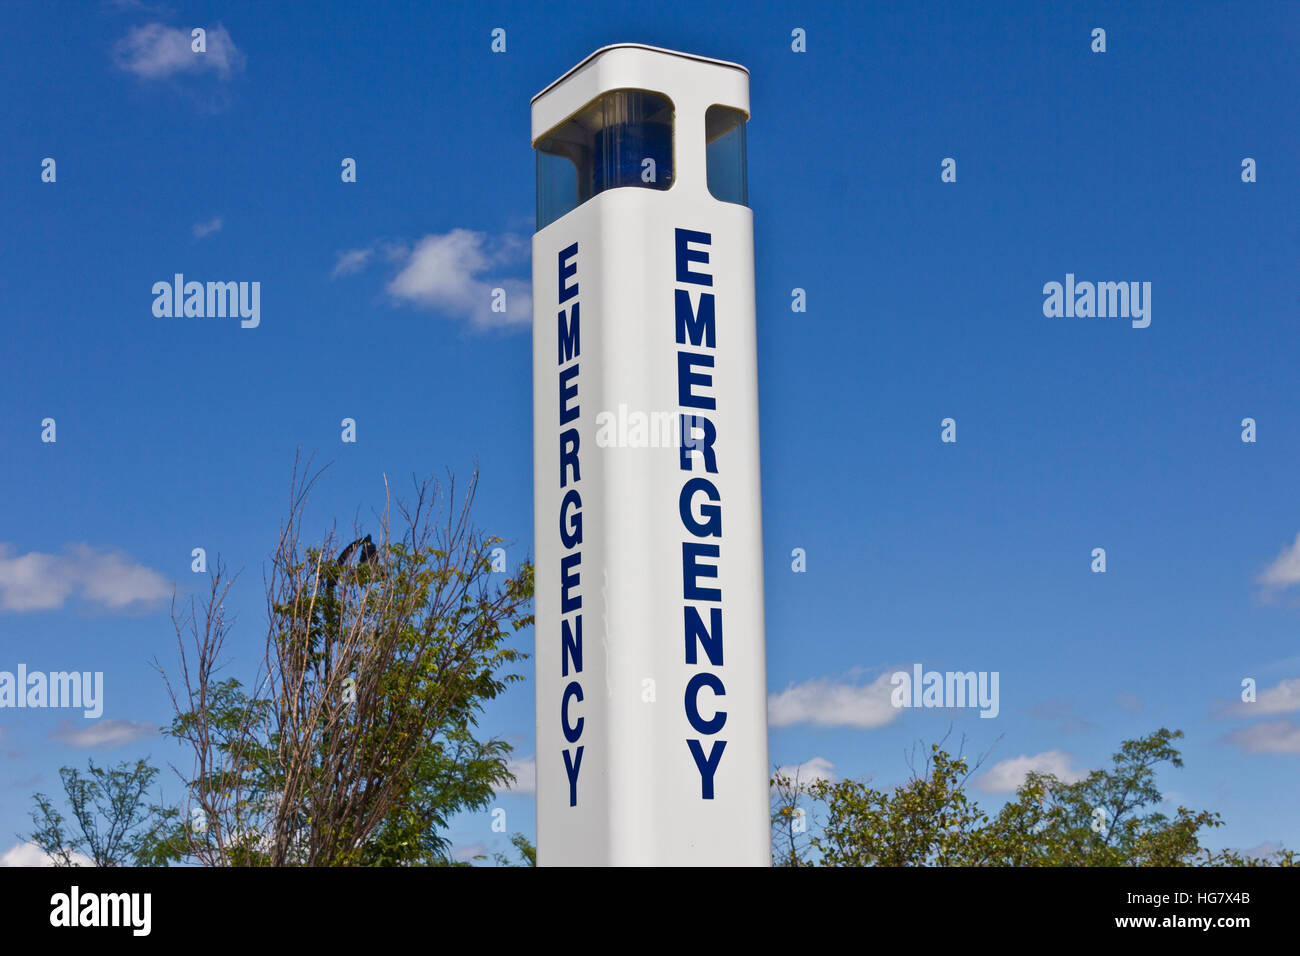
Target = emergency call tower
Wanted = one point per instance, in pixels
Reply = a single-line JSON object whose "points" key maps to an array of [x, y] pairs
{"points": [[651, 685]]}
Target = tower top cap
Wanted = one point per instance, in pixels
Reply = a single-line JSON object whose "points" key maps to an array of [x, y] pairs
{"points": [[692, 83], [633, 46]]}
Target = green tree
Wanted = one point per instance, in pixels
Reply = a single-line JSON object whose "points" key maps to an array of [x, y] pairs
{"points": [[928, 821], [359, 740], [790, 819], [527, 852], [1106, 819], [1109, 818], [112, 823]]}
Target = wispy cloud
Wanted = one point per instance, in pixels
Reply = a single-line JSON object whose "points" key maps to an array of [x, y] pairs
{"points": [[525, 772], [1266, 849], [467, 852], [1284, 572], [823, 702], [450, 274], [1270, 737], [1007, 775], [354, 260], [810, 771], [131, 6], [456, 274], [156, 51], [39, 582], [1130, 702], [29, 854], [202, 229], [1280, 699], [103, 734], [1063, 713]]}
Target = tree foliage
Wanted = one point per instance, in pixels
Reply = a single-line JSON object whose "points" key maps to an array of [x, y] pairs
{"points": [[357, 742], [112, 823], [1109, 818]]}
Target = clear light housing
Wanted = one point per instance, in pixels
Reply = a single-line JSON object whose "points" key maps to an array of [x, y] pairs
{"points": [[724, 134], [622, 138]]}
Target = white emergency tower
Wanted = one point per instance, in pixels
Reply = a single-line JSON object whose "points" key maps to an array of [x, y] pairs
{"points": [[651, 687]]}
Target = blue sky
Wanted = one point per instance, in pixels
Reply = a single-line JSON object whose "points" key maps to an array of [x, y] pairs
{"points": [[924, 301]]}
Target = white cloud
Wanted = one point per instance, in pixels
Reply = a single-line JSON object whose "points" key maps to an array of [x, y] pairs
{"points": [[29, 854], [810, 771], [1006, 776], [825, 703], [103, 734], [525, 772], [1282, 699], [463, 854], [351, 261], [202, 229], [1271, 737], [32, 582], [1285, 569], [40, 582], [1062, 711], [452, 274], [1130, 702], [115, 581], [155, 51], [354, 260], [1265, 849]]}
